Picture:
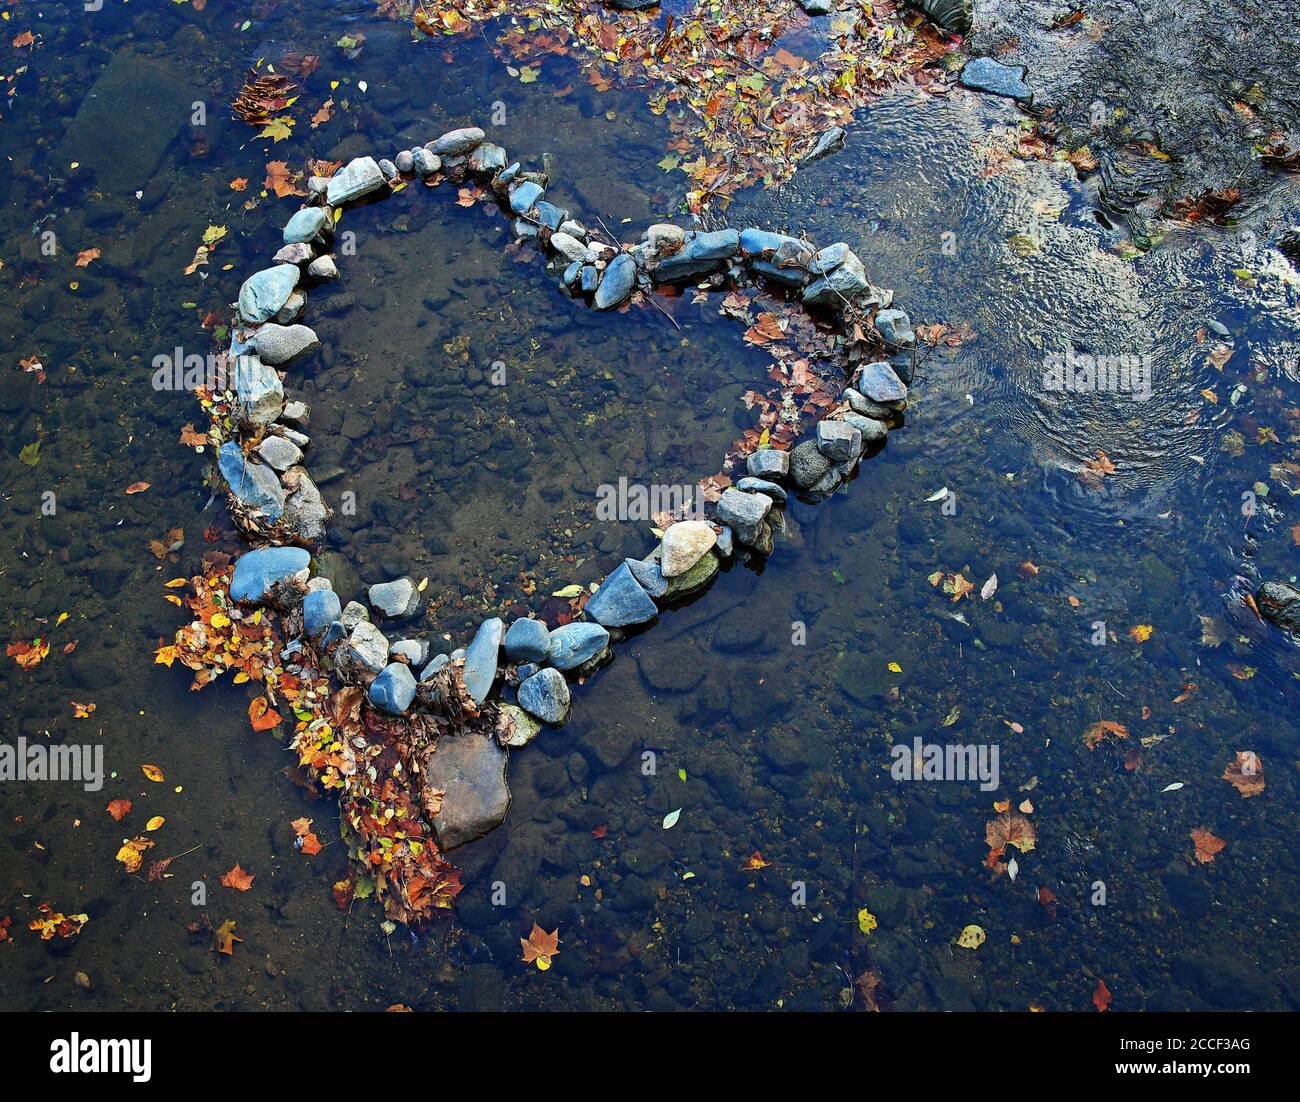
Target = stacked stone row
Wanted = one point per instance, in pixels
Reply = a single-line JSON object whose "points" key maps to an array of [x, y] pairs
{"points": [[276, 503]]}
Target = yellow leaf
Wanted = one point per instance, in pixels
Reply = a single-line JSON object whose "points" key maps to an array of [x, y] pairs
{"points": [[1141, 632], [894, 667], [972, 937], [866, 921], [154, 823], [153, 773], [175, 583]]}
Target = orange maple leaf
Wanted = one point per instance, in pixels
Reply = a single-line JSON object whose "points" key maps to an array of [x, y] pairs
{"points": [[1207, 845], [1246, 774], [119, 809], [1099, 731], [540, 947], [261, 715], [1101, 996], [238, 879]]}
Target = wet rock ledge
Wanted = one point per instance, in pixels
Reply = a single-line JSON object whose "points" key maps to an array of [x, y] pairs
{"points": [[277, 506]]}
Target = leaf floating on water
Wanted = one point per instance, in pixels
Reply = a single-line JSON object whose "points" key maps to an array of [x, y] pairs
{"points": [[1013, 869], [568, 591], [867, 922], [154, 823], [137, 487], [1246, 774], [1172, 787], [670, 820], [989, 588], [237, 879], [540, 947], [1207, 845], [972, 937], [1101, 996], [938, 495], [153, 773]]}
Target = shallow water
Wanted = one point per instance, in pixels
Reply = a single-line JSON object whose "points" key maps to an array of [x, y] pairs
{"points": [[782, 748]]}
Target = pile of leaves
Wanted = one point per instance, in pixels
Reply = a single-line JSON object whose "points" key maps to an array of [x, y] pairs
{"points": [[743, 107], [369, 761]]}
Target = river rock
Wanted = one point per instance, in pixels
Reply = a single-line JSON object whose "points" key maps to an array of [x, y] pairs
{"points": [[838, 285], [278, 344], [701, 252], [569, 247], [298, 253], [425, 162], [620, 601], [816, 7], [470, 769], [359, 177], [253, 484], [528, 640], [436, 663], [546, 696], [258, 573], [368, 647], [956, 16], [354, 612], [860, 404], [743, 513], [264, 293], [258, 390], [896, 327], [320, 608], [397, 600], [617, 283], [576, 643], [768, 463], [983, 74], [456, 143], [394, 689], [751, 485], [515, 727], [323, 268], [663, 238], [880, 383], [481, 658], [292, 310], [486, 158], [307, 225], [1279, 604], [525, 195], [649, 575], [415, 651], [305, 511], [839, 441], [405, 161], [873, 430], [684, 543], [279, 452], [807, 464], [832, 141], [633, 5]]}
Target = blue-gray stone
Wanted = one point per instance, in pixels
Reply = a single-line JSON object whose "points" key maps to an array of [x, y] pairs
{"points": [[546, 696], [254, 484], [397, 599], [333, 633], [528, 640], [873, 431], [576, 643], [454, 143], [726, 544], [764, 243], [550, 215], [368, 647], [621, 601], [590, 278], [839, 441], [259, 390], [258, 572], [703, 252], [436, 663], [415, 651], [264, 293], [394, 689], [524, 196], [572, 274], [789, 277], [896, 327], [305, 225], [320, 608], [527, 670], [830, 258], [425, 162], [951, 15], [649, 576], [481, 658], [753, 485], [768, 463], [508, 174], [879, 382], [839, 285], [743, 513], [358, 177], [487, 158], [983, 74], [617, 283]]}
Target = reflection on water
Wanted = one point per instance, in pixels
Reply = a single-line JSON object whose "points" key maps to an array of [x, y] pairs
{"points": [[769, 705]]}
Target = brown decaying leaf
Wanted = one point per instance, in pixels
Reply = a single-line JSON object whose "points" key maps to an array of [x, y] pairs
{"points": [[540, 947], [1207, 845], [1246, 774], [237, 879]]}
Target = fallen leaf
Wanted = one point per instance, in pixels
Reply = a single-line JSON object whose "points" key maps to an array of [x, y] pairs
{"points": [[1246, 774], [238, 879], [1101, 995], [119, 809], [1207, 845], [540, 947]]}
